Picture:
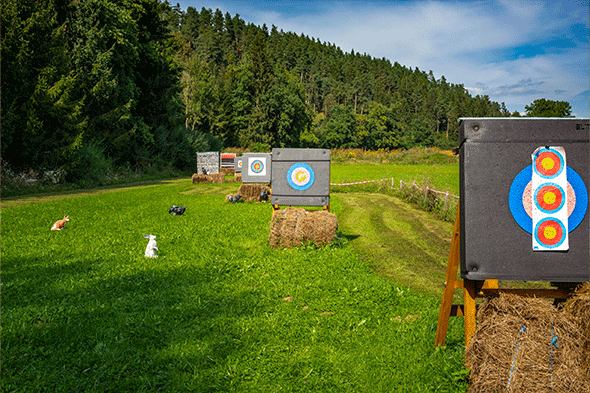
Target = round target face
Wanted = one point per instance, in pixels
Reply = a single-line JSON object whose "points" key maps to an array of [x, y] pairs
{"points": [[549, 232], [549, 198], [240, 164], [520, 196], [257, 166], [300, 176], [548, 163]]}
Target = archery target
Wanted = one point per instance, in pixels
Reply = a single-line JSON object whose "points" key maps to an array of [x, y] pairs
{"points": [[548, 162], [550, 233], [300, 176], [521, 199], [257, 166], [550, 198]]}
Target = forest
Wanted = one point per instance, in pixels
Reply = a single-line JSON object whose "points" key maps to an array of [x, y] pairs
{"points": [[92, 86]]}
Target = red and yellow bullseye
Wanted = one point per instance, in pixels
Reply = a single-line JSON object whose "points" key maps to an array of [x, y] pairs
{"points": [[550, 198], [549, 232], [548, 163]]}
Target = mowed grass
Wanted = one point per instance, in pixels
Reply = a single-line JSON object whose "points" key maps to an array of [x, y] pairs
{"points": [[442, 177], [218, 311]]}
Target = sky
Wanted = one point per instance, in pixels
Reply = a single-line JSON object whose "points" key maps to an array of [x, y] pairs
{"points": [[514, 51]]}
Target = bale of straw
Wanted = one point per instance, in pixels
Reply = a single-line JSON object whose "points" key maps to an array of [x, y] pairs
{"points": [[293, 227], [200, 178], [512, 351], [251, 192], [578, 306], [227, 171], [216, 178], [238, 177]]}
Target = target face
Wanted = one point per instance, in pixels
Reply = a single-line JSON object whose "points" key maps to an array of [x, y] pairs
{"points": [[521, 199], [548, 163], [240, 164], [257, 166], [300, 176], [550, 233], [550, 198]]}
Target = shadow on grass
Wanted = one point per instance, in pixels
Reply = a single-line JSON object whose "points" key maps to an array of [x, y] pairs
{"points": [[77, 327]]}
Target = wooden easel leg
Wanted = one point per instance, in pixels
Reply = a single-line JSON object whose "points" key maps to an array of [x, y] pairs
{"points": [[446, 304], [471, 288]]}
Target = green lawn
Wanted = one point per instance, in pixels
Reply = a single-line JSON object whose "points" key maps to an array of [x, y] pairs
{"points": [[442, 177], [219, 310]]}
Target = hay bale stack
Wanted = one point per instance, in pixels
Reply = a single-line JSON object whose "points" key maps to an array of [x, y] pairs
{"points": [[200, 178], [238, 177], [251, 192], [227, 171], [579, 307], [216, 178], [504, 357], [293, 227]]}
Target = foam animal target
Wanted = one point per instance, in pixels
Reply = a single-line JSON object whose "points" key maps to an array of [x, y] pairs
{"points": [[548, 199], [300, 176]]}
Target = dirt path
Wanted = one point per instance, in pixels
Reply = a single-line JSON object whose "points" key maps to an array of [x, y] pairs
{"points": [[398, 241]]}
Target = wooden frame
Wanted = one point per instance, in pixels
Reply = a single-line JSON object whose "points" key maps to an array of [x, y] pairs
{"points": [[473, 290]]}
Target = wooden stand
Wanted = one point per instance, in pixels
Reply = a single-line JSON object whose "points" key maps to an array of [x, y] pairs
{"points": [[472, 290]]}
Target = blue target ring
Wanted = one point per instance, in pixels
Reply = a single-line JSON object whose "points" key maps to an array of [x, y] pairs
{"points": [[300, 176], [522, 180]]}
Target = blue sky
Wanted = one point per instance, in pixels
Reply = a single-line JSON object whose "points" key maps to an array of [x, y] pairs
{"points": [[515, 51]]}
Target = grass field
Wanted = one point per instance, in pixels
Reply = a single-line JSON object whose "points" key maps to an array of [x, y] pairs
{"points": [[443, 177], [219, 310]]}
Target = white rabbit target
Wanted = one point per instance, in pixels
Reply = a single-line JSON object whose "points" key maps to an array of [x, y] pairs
{"points": [[151, 246]]}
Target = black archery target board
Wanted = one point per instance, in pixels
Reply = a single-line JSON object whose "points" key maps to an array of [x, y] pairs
{"points": [[256, 167], [300, 177], [524, 199]]}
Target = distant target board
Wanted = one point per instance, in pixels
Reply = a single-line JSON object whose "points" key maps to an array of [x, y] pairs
{"points": [[208, 162], [237, 164], [300, 177], [524, 199], [227, 160], [256, 168]]}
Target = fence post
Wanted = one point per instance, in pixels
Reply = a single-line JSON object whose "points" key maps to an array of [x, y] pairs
{"points": [[426, 194], [446, 202]]}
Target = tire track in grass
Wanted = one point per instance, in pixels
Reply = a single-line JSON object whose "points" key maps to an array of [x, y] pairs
{"points": [[398, 241]]}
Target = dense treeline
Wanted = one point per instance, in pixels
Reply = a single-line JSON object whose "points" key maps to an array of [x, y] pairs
{"points": [[248, 85], [90, 86]]}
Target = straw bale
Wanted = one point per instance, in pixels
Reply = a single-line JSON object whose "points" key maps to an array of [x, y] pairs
{"points": [[293, 227], [238, 177], [502, 357], [216, 178], [579, 307], [251, 192], [227, 171], [200, 178]]}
